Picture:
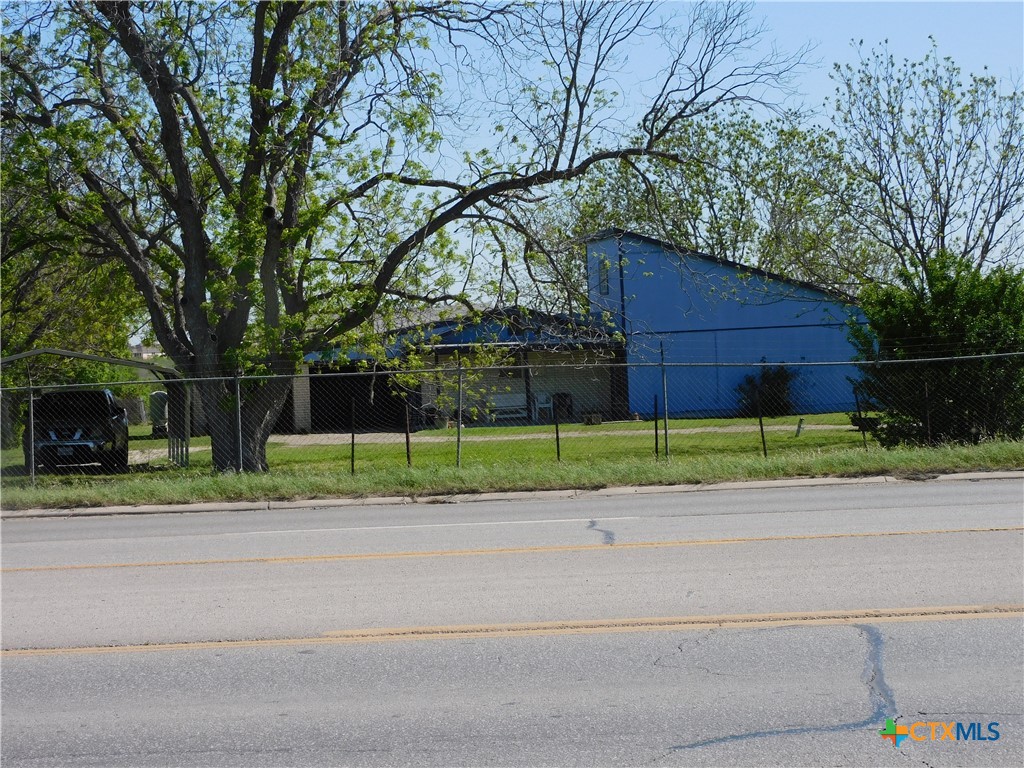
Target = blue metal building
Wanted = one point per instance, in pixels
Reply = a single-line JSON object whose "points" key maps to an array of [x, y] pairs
{"points": [[719, 318]]}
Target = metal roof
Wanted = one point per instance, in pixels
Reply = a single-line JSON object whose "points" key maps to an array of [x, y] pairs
{"points": [[157, 369], [614, 233], [513, 327]]}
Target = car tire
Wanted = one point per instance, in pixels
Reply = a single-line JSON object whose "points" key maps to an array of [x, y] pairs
{"points": [[116, 460], [121, 460]]}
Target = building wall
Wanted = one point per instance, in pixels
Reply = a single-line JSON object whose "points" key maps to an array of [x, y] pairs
{"points": [[694, 310], [577, 374], [574, 377]]}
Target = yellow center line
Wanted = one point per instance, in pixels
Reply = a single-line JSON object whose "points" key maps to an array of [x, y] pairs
{"points": [[505, 550], [568, 627]]}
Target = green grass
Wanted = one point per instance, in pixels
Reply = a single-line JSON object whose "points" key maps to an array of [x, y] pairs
{"points": [[575, 451], [834, 419], [609, 455]]}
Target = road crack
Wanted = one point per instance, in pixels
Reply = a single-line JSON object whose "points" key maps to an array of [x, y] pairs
{"points": [[880, 697], [609, 536]]}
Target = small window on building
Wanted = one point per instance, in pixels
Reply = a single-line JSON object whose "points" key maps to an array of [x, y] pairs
{"points": [[602, 277]]}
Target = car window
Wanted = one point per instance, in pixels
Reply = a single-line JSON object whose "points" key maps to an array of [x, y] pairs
{"points": [[64, 406]]}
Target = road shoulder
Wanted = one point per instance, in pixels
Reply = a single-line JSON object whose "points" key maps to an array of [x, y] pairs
{"points": [[463, 498]]}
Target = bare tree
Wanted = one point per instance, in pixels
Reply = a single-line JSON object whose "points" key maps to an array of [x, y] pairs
{"points": [[276, 176], [939, 159]]}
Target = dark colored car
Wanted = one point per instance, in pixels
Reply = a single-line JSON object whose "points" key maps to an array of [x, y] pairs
{"points": [[83, 427]]}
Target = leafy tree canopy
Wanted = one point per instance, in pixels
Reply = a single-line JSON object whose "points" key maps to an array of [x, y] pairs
{"points": [[276, 177], [964, 312], [55, 291]]}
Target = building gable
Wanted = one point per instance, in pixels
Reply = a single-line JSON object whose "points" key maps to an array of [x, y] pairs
{"points": [[647, 286], [680, 307]]}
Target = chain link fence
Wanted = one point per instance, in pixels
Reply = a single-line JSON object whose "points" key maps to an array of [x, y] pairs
{"points": [[453, 414]]}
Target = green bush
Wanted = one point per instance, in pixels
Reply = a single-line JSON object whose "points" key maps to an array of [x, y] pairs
{"points": [[917, 337], [771, 385]]}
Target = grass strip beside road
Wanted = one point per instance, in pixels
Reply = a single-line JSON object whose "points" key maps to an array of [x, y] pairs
{"points": [[318, 472]]}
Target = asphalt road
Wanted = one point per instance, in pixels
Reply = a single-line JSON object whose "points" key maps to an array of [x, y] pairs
{"points": [[544, 633]]}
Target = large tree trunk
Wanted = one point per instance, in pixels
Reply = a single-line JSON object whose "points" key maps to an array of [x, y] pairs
{"points": [[248, 430], [8, 435]]}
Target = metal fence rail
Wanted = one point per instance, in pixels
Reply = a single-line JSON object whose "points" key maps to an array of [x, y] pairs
{"points": [[458, 414]]}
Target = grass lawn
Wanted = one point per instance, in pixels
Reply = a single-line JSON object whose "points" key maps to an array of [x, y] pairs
{"points": [[622, 453], [832, 419]]}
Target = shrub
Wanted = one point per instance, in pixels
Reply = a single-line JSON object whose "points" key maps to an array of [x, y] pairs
{"points": [[920, 330], [771, 384]]}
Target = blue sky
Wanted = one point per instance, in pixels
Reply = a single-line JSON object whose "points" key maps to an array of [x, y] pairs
{"points": [[973, 34]]}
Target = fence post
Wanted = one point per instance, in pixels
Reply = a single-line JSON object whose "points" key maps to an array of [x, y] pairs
{"points": [[664, 395], [860, 418], [657, 437], [238, 418], [31, 433], [558, 437], [458, 423], [352, 433], [927, 414], [760, 421], [408, 439]]}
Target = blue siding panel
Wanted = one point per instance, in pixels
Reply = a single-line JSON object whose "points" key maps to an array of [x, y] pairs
{"points": [[699, 310]]}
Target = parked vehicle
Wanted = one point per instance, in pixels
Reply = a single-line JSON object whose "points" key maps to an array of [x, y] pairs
{"points": [[80, 427]]}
